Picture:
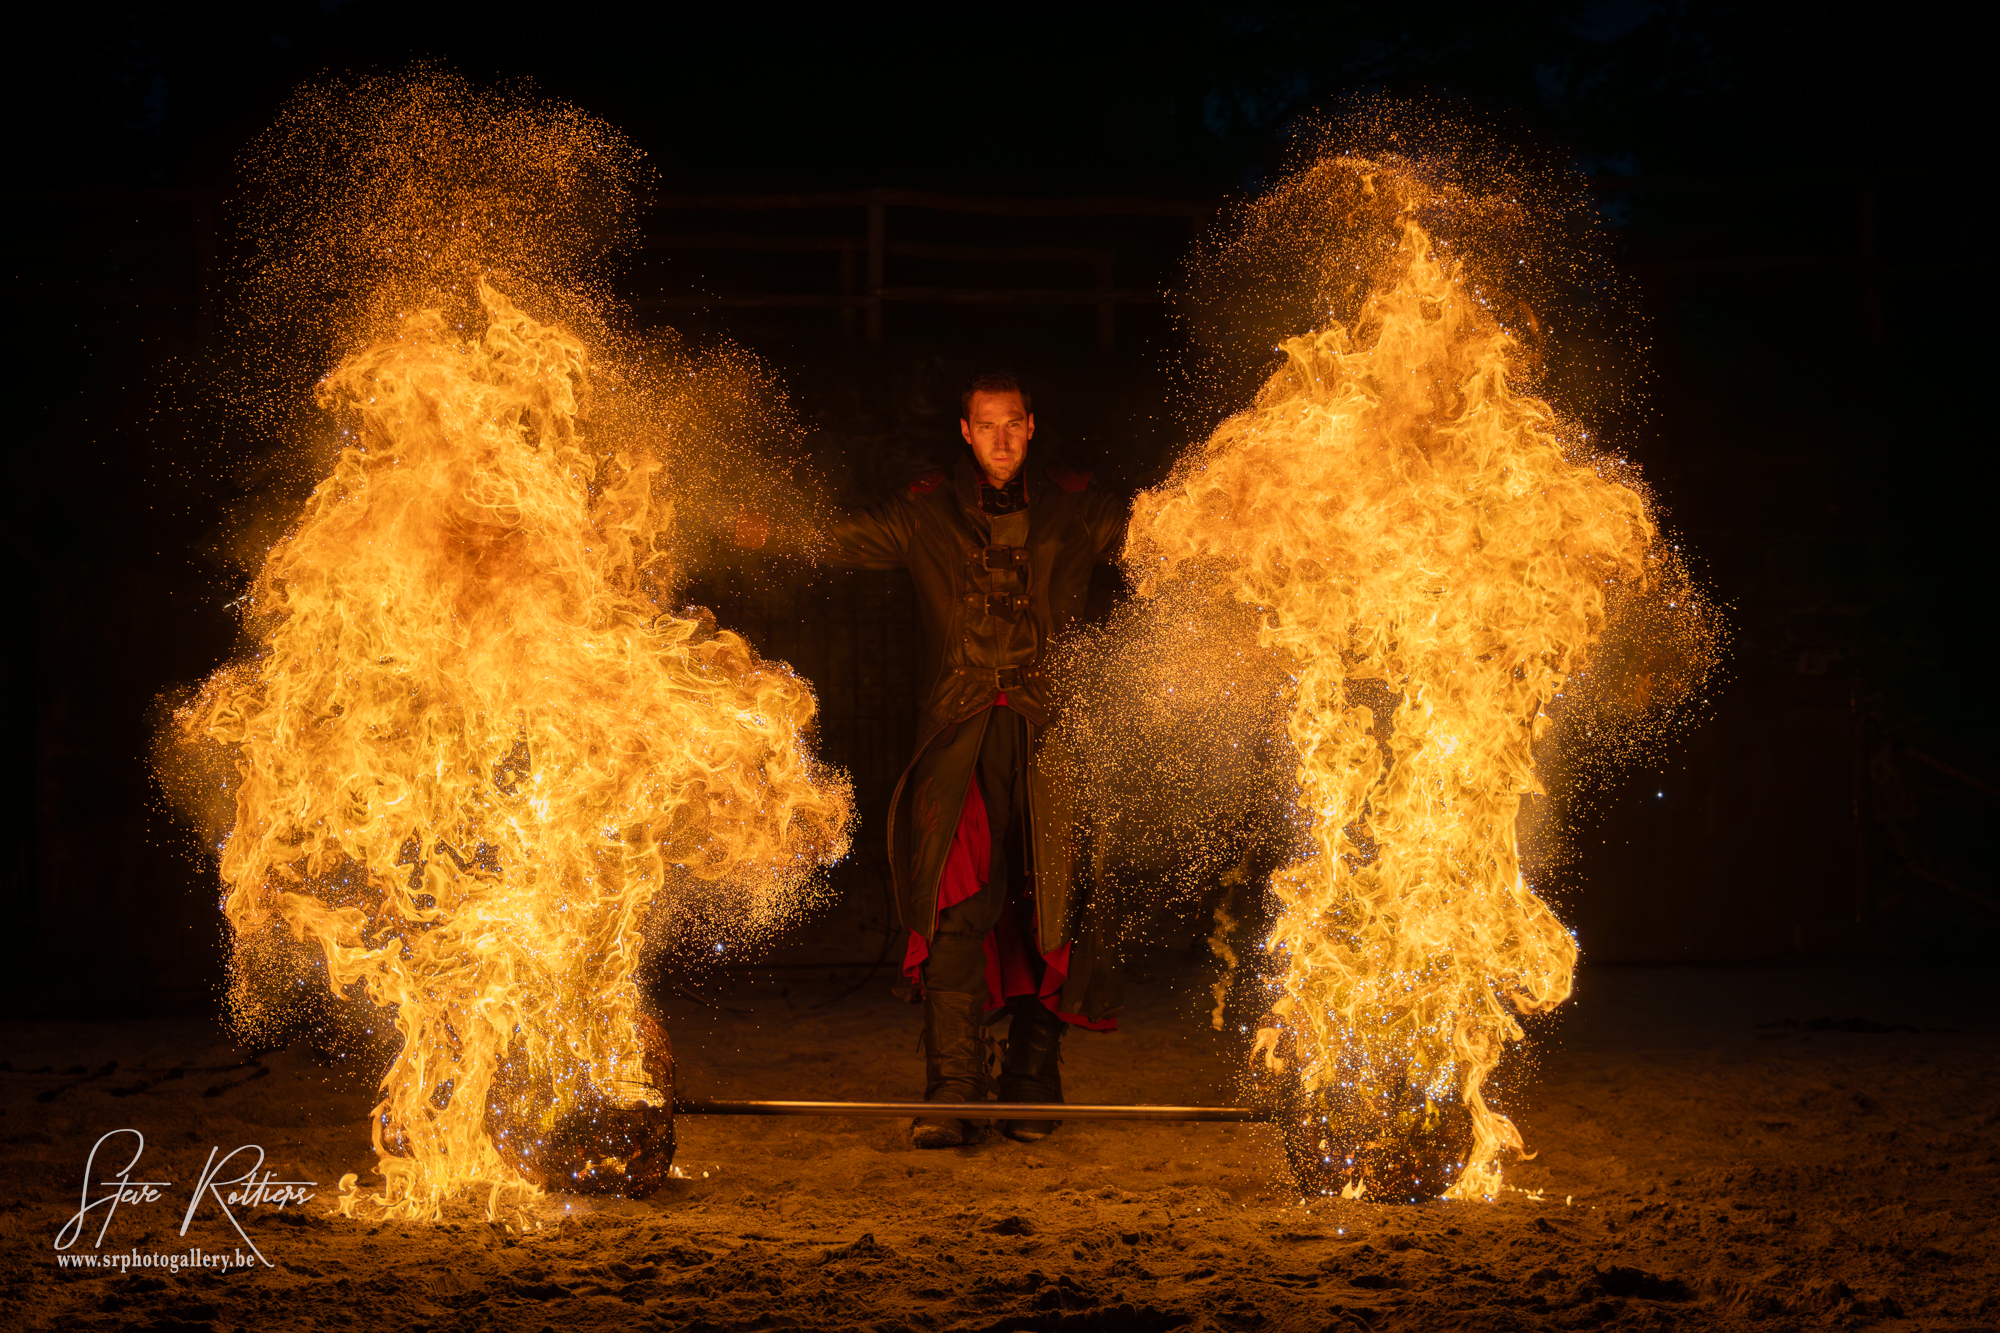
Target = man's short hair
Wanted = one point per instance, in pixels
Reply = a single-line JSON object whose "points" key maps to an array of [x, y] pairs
{"points": [[994, 381]]}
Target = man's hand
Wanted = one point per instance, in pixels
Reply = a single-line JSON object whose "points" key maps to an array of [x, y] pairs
{"points": [[752, 529]]}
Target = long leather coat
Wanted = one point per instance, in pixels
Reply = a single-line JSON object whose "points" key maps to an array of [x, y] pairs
{"points": [[993, 592]]}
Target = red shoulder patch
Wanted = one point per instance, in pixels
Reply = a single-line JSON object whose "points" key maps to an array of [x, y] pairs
{"points": [[927, 483], [1068, 479]]}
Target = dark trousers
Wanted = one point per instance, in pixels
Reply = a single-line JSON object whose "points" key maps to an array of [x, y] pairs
{"points": [[957, 959]]}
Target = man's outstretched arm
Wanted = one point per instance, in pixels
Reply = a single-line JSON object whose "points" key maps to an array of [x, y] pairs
{"points": [[1107, 517], [881, 536], [877, 537]]}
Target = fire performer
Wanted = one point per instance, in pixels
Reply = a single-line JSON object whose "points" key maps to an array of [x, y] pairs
{"points": [[979, 839]]}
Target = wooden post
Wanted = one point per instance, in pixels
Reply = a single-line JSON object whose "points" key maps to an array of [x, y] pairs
{"points": [[877, 227], [1107, 308], [206, 250], [847, 275], [1871, 273], [1857, 722]]}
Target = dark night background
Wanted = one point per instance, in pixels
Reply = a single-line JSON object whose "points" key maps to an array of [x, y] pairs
{"points": [[1799, 191]]}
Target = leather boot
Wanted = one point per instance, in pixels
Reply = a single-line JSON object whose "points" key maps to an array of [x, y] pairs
{"points": [[1030, 1071], [958, 1067]]}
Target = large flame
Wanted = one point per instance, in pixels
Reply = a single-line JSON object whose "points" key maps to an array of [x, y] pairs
{"points": [[1433, 552], [470, 749]]}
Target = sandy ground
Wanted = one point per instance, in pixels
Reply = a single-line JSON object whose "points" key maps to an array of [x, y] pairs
{"points": [[1718, 1149]]}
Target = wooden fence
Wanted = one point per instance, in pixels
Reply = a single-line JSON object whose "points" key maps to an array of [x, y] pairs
{"points": [[859, 286], [156, 250]]}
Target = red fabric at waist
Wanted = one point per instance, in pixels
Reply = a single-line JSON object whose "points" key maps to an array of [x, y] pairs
{"points": [[967, 867], [968, 862]]}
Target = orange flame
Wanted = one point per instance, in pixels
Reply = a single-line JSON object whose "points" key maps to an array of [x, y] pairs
{"points": [[1434, 554], [470, 750]]}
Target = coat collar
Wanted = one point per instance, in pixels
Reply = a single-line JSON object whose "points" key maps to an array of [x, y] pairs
{"points": [[967, 479]]}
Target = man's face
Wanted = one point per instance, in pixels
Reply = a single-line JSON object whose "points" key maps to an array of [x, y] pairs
{"points": [[998, 427]]}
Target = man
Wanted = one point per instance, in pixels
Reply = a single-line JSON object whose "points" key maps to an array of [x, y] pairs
{"points": [[1001, 554]]}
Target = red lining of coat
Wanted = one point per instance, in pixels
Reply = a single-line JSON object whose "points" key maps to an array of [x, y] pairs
{"points": [[966, 866]]}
